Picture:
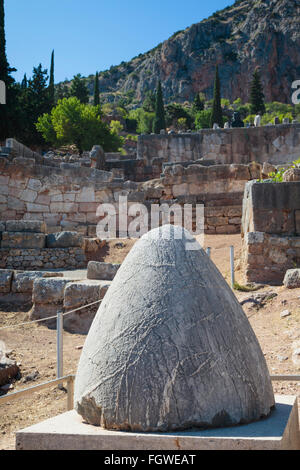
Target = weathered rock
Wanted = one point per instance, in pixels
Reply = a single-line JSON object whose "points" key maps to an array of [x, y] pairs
{"points": [[170, 347], [293, 174], [285, 313], [23, 240], [8, 367], [97, 157], [49, 291], [64, 240], [31, 226], [102, 271], [292, 279], [5, 281]]}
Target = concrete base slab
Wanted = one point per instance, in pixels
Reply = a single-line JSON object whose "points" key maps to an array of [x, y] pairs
{"points": [[280, 431]]}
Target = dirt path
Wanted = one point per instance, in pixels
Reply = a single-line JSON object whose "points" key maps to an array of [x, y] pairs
{"points": [[34, 347]]}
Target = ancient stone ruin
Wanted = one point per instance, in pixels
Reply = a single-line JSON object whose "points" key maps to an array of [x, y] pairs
{"points": [[170, 347], [270, 230]]}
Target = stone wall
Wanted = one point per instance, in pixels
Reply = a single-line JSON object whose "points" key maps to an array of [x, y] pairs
{"points": [[25, 245], [68, 198], [219, 187], [47, 258], [270, 231], [275, 144]]}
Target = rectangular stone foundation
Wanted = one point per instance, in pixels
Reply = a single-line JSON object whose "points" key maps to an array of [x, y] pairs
{"points": [[68, 432]]}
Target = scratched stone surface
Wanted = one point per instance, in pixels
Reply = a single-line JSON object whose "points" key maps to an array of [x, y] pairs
{"points": [[170, 347]]}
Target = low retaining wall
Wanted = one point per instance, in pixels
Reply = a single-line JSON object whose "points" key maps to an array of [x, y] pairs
{"points": [[25, 245], [46, 258], [67, 199]]}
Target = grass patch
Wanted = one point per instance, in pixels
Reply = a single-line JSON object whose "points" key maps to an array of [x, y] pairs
{"points": [[241, 288]]}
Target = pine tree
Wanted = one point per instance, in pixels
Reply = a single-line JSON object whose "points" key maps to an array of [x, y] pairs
{"points": [[257, 98], [96, 90], [217, 114], [51, 82], [61, 91], [159, 122], [79, 89]]}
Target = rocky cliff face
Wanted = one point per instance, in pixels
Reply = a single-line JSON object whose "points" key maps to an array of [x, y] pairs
{"points": [[239, 38]]}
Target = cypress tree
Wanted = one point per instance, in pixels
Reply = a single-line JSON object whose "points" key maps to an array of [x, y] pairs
{"points": [[217, 114], [24, 82], [198, 104], [96, 90], [159, 122], [257, 98], [8, 117], [51, 83], [4, 66]]}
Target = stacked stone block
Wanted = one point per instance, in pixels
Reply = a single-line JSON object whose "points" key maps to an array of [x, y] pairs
{"points": [[25, 245]]}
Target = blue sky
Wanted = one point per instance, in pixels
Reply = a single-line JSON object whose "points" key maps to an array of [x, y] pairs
{"points": [[90, 35]]}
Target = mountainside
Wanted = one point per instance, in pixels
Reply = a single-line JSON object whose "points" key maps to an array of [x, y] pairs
{"points": [[239, 38]]}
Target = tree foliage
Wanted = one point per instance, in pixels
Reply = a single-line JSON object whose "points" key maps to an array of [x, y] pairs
{"points": [[79, 89], [73, 122]]}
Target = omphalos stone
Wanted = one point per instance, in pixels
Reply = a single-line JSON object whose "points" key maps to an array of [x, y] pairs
{"points": [[170, 347]]}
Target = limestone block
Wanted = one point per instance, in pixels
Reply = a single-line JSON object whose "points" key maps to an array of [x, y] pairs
{"points": [[23, 240], [64, 207], [217, 221], [5, 280], [23, 281], [78, 294], [292, 279], [43, 199], [102, 271], [64, 240], [180, 189], [235, 220], [253, 238], [82, 293], [15, 204], [87, 194], [227, 229], [31, 207], [28, 195], [49, 291], [29, 226], [34, 184]]}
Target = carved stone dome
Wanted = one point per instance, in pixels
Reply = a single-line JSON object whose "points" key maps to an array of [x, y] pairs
{"points": [[170, 347]]}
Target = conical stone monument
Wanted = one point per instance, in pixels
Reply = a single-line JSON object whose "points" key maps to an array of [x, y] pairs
{"points": [[170, 347]]}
